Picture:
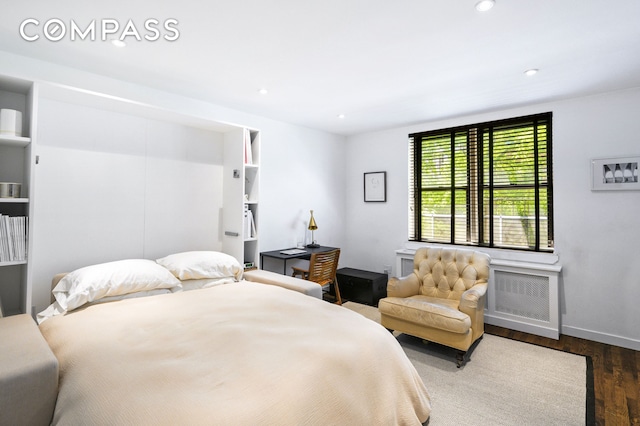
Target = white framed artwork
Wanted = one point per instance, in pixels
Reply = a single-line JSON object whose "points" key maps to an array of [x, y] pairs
{"points": [[375, 187], [615, 174]]}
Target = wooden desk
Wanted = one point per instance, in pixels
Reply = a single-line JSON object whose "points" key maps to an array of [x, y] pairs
{"points": [[276, 254]]}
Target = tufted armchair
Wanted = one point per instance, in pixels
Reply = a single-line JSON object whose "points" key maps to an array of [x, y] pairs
{"points": [[443, 299]]}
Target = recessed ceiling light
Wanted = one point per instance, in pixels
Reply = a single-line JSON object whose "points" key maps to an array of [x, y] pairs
{"points": [[341, 116], [118, 43], [532, 71], [263, 91], [484, 5]]}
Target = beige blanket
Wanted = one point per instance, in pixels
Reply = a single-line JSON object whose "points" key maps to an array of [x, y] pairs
{"points": [[236, 354]]}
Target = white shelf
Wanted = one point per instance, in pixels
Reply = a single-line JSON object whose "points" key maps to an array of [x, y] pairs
{"points": [[14, 140], [14, 200], [17, 262]]}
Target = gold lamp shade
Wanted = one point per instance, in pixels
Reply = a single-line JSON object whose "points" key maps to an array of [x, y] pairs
{"points": [[312, 223], [312, 227]]}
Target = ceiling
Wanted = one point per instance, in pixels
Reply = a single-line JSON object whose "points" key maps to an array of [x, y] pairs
{"points": [[381, 63]]}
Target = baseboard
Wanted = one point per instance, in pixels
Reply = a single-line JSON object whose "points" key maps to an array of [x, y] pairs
{"points": [[609, 339]]}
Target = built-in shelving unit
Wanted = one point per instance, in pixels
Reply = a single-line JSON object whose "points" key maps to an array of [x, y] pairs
{"points": [[16, 161], [241, 195]]}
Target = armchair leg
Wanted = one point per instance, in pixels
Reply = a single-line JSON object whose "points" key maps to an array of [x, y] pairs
{"points": [[460, 358]]}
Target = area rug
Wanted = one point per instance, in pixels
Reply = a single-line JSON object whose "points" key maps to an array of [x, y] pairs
{"points": [[504, 382]]}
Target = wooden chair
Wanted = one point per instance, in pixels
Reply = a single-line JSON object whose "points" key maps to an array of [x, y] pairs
{"points": [[322, 270]]}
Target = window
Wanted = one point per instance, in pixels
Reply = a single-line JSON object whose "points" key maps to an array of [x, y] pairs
{"points": [[487, 184]]}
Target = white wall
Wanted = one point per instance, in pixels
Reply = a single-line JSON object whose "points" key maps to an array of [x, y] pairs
{"points": [[596, 233], [301, 169]]}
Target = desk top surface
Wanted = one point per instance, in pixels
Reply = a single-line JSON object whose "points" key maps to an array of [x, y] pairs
{"points": [[307, 252]]}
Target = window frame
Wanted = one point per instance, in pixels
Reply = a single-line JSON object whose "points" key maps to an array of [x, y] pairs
{"points": [[475, 185]]}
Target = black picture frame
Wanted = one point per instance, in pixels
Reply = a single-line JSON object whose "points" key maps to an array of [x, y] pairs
{"points": [[375, 187]]}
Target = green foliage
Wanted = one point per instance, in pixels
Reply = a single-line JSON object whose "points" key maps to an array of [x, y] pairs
{"points": [[512, 172]]}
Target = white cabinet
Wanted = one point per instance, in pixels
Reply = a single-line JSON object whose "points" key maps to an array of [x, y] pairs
{"points": [[16, 166], [241, 195], [186, 152]]}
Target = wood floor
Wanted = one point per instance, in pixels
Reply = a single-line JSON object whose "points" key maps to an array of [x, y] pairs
{"points": [[615, 374]]}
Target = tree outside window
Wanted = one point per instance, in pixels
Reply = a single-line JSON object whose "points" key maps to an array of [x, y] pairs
{"points": [[487, 184]]}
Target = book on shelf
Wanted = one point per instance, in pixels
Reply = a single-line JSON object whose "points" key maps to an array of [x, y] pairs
{"points": [[249, 225], [13, 238], [248, 153], [254, 233]]}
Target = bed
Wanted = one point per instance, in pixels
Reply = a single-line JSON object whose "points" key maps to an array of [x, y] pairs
{"points": [[228, 352]]}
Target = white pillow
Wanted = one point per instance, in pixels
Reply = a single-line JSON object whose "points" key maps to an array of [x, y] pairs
{"points": [[95, 282], [193, 265]]}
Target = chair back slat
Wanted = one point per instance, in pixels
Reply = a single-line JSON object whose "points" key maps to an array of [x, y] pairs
{"points": [[323, 266]]}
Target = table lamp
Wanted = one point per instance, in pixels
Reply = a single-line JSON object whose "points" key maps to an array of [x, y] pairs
{"points": [[312, 227]]}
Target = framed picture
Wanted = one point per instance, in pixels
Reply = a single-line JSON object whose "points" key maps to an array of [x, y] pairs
{"points": [[375, 187], [615, 174]]}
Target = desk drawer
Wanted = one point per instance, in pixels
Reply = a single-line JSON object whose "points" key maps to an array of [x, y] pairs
{"points": [[362, 286]]}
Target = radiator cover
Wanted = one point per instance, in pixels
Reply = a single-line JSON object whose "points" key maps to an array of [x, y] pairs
{"points": [[522, 294], [524, 297]]}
